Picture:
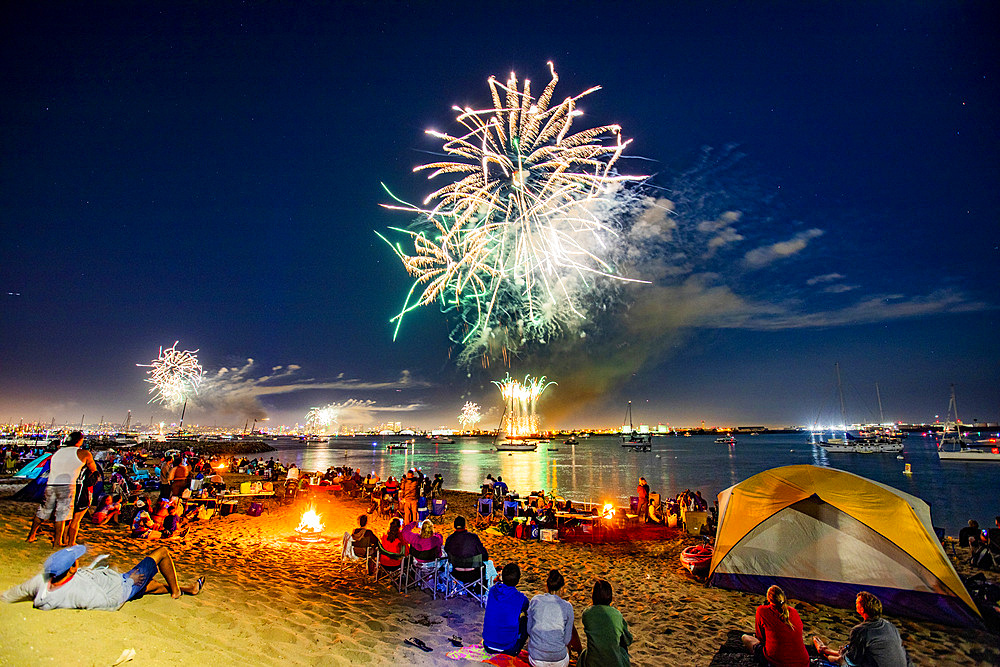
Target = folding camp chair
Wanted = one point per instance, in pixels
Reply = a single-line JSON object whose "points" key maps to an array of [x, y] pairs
{"points": [[424, 574], [510, 509], [438, 506], [351, 560], [477, 589], [395, 575], [484, 513]]}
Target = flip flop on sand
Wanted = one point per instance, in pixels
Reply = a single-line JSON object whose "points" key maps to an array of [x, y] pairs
{"points": [[418, 643], [455, 640]]}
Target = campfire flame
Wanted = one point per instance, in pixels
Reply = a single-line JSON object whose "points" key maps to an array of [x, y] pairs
{"points": [[310, 522], [609, 511]]}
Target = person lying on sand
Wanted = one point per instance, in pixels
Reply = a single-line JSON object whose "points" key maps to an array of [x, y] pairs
{"points": [[62, 585]]}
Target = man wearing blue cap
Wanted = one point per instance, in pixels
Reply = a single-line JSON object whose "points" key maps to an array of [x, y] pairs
{"points": [[62, 585]]}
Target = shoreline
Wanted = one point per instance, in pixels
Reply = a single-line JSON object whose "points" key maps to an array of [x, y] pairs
{"points": [[273, 601]]}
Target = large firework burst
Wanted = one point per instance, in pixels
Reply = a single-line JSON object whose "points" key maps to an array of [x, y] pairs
{"points": [[175, 376], [530, 227]]}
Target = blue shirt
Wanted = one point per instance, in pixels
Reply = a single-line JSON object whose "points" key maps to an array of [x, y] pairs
{"points": [[502, 622]]}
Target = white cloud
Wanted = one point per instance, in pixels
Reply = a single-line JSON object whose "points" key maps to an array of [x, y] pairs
{"points": [[765, 255], [238, 390], [825, 278], [884, 308], [839, 289]]}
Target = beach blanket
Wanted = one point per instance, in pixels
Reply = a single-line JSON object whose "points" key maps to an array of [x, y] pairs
{"points": [[732, 653], [477, 653]]}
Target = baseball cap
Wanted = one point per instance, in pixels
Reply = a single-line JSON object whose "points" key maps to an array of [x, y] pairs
{"points": [[61, 561]]}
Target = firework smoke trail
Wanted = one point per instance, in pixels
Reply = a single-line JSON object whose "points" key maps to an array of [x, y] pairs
{"points": [[319, 420], [175, 375], [530, 228], [520, 399], [470, 415]]}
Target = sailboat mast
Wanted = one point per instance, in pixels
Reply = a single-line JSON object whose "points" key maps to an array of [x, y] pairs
{"points": [[953, 405], [881, 417], [840, 392]]}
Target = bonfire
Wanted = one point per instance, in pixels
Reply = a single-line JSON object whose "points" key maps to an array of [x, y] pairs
{"points": [[310, 528]]}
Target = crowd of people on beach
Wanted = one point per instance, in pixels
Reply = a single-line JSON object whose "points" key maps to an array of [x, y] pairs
{"points": [[543, 625]]}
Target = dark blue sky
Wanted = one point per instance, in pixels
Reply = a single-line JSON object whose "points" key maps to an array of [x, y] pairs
{"points": [[210, 173]]}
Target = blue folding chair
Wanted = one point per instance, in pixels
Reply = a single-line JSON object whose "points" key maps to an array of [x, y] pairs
{"points": [[484, 513], [438, 506], [510, 508]]}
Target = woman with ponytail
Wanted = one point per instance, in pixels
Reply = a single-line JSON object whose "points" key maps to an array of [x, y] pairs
{"points": [[777, 639]]}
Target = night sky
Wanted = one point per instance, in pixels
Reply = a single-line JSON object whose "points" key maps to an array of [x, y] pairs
{"points": [[209, 172]]}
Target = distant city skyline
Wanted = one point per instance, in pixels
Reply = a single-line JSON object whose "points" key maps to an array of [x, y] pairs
{"points": [[822, 189]]}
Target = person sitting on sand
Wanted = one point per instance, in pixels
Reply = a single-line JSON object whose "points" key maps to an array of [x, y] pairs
{"points": [[608, 636], [174, 524], [144, 527], [109, 510], [873, 643], [970, 536], [550, 626], [505, 623], [62, 585], [777, 638], [426, 545]]}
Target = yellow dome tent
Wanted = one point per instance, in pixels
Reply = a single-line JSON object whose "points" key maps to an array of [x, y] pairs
{"points": [[824, 534]]}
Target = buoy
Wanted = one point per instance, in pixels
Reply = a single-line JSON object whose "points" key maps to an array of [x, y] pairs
{"points": [[906, 470], [899, 457]]}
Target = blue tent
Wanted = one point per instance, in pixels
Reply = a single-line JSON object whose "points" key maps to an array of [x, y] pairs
{"points": [[38, 472], [33, 469]]}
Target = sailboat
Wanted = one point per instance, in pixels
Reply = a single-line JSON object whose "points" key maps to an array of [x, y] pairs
{"points": [[512, 443], [632, 439], [954, 447], [857, 444]]}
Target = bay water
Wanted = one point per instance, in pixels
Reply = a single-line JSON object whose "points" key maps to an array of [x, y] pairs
{"points": [[598, 469]]}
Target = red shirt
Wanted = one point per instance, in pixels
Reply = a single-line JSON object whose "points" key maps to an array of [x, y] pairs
{"points": [[395, 547], [783, 646]]}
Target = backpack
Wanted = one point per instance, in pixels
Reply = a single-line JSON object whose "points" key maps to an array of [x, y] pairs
{"points": [[533, 531], [983, 559]]}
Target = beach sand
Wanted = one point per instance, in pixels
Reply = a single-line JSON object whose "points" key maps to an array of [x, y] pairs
{"points": [[269, 600]]}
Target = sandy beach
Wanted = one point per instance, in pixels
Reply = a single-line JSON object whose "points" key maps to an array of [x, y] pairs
{"points": [[268, 600]]}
